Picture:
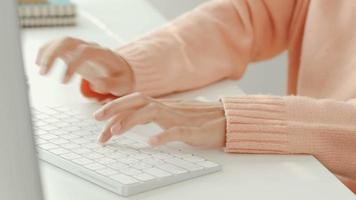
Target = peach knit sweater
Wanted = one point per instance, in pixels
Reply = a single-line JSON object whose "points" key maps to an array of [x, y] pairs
{"points": [[219, 39]]}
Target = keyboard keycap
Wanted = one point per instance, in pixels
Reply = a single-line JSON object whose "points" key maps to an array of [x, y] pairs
{"points": [[82, 161], [144, 177], [118, 166], [59, 141], [81, 150], [140, 165], [70, 136], [70, 156], [71, 146], [207, 164], [59, 151], [192, 158], [105, 161], [93, 155], [124, 179], [48, 146], [48, 137], [95, 166], [183, 164], [156, 172], [48, 128], [130, 171], [172, 169], [106, 172]]}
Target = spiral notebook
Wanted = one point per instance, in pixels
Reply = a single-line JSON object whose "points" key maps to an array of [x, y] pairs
{"points": [[52, 13]]}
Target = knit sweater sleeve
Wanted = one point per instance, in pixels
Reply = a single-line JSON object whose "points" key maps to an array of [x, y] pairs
{"points": [[324, 128], [214, 41]]}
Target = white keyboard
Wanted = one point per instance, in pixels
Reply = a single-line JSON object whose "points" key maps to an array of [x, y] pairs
{"points": [[126, 165]]}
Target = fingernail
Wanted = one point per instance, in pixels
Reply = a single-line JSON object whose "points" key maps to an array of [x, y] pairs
{"points": [[153, 141], [98, 115], [101, 139], [65, 80], [116, 129], [43, 71]]}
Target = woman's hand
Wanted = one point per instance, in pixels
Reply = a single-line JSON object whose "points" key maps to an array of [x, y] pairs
{"points": [[195, 123], [106, 71]]}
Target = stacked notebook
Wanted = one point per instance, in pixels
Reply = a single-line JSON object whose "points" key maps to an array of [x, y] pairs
{"points": [[37, 13]]}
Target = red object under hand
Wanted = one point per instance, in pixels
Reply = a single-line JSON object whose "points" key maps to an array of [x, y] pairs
{"points": [[89, 93]]}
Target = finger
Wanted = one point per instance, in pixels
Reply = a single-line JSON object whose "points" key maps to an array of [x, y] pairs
{"points": [[58, 49], [173, 134], [106, 133], [41, 51], [130, 101], [149, 113], [85, 56]]}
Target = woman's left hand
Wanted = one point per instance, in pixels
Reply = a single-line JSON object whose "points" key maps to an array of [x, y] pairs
{"points": [[193, 122]]}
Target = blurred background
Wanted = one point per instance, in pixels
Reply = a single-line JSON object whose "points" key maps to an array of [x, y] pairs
{"points": [[261, 78]]}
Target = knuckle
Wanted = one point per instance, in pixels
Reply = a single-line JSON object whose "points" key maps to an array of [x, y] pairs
{"points": [[138, 94]]}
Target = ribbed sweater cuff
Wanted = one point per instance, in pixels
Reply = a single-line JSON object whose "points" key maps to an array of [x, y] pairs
{"points": [[256, 124], [150, 79]]}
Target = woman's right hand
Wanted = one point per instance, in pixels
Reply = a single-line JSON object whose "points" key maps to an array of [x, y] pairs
{"points": [[106, 71]]}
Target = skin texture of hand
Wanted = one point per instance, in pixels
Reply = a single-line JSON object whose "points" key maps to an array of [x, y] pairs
{"points": [[106, 71], [195, 123]]}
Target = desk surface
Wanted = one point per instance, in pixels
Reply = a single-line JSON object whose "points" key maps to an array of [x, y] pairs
{"points": [[243, 176]]}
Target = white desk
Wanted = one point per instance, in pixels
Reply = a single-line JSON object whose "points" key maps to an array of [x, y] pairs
{"points": [[243, 176]]}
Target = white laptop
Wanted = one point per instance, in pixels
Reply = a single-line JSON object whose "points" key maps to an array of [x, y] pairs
{"points": [[67, 138]]}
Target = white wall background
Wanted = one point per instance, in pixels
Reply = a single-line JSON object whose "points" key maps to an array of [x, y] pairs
{"points": [[261, 78]]}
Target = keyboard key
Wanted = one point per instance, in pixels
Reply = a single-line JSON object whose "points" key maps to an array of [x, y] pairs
{"points": [[207, 164], [104, 150], [124, 179], [52, 120], [105, 161], [172, 169], [153, 161], [93, 146], [81, 141], [116, 155], [93, 155], [106, 172], [70, 136], [48, 128], [59, 132], [118, 166], [40, 141], [192, 158], [130, 171], [140, 165], [71, 146], [71, 128], [156, 172], [144, 177], [61, 124], [141, 156], [95, 166], [183, 164], [81, 150], [82, 161], [48, 137], [128, 160], [41, 132], [70, 156], [59, 141], [59, 151], [48, 146]]}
